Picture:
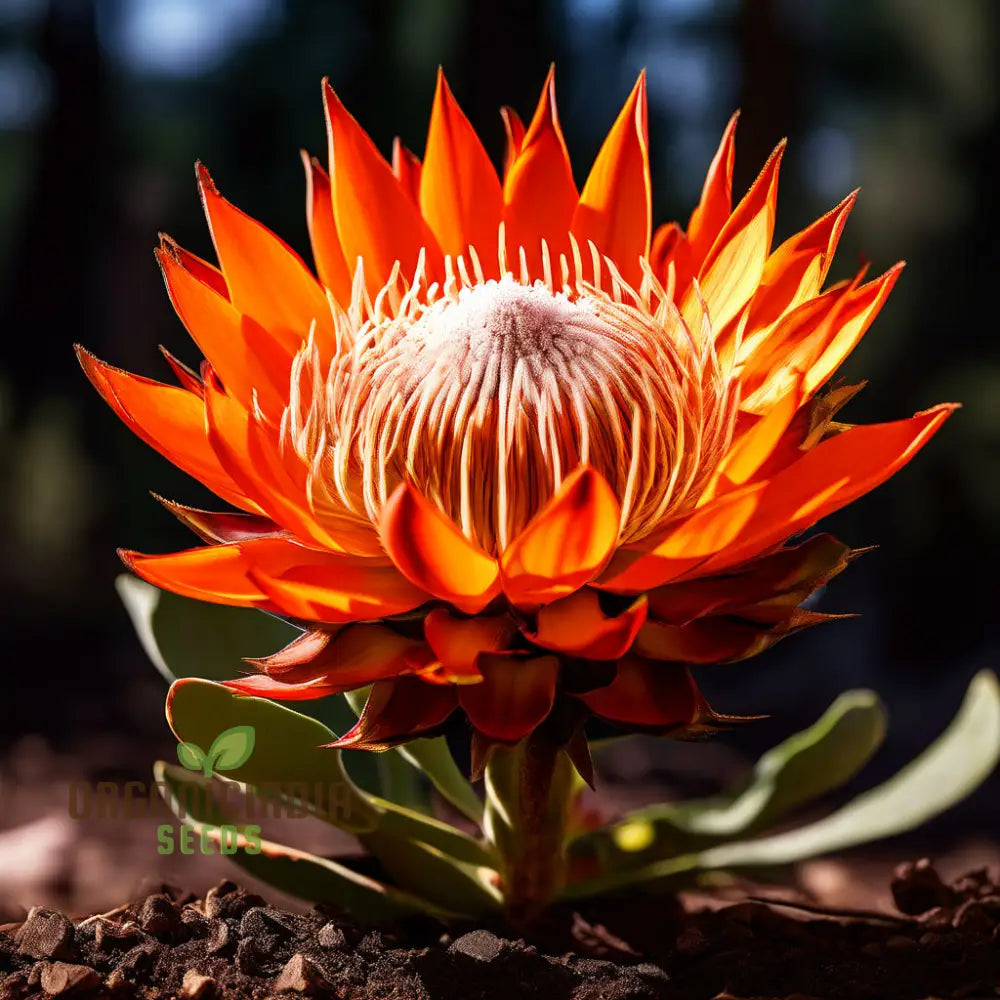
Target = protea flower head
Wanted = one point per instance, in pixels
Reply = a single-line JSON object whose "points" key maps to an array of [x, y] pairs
{"points": [[513, 452]]}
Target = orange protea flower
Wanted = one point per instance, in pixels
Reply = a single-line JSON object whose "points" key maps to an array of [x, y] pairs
{"points": [[513, 451]]}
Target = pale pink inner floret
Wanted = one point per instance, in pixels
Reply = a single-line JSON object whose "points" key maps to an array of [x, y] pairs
{"points": [[487, 393]]}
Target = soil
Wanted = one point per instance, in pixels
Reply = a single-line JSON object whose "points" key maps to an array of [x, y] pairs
{"points": [[942, 941]]}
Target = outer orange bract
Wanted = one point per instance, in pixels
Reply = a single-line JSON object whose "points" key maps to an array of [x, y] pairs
{"points": [[513, 451]]}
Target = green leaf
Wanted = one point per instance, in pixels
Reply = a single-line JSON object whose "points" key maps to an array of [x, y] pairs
{"points": [[456, 885], [799, 770], [188, 638], [398, 821], [299, 873], [232, 748], [949, 770], [288, 755], [434, 759], [957, 763], [191, 756]]}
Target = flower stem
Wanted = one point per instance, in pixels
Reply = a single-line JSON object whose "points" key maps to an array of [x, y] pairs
{"points": [[529, 789]]}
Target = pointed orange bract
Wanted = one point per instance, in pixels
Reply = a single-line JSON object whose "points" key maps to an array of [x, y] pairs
{"points": [[207, 274], [225, 527], [407, 168], [171, 420], [539, 193], [514, 130], [358, 655], [376, 219], [741, 524], [457, 642], [614, 210], [397, 711], [566, 544], [327, 252], [814, 340], [460, 193], [715, 207], [648, 695], [733, 268], [246, 358], [266, 279], [431, 551], [515, 696], [577, 626], [214, 573], [796, 271]]}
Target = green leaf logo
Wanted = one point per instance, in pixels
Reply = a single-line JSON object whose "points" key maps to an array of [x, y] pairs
{"points": [[232, 748], [191, 756], [229, 750]]}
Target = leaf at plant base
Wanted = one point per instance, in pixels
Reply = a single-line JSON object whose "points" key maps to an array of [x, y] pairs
{"points": [[435, 860], [288, 752], [191, 756], [457, 886], [289, 758], [188, 638], [400, 822], [949, 770], [944, 774], [301, 874], [799, 770], [232, 748], [432, 758]]}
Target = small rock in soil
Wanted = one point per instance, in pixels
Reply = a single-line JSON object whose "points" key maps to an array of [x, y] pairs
{"points": [[46, 934], [228, 900], [917, 887], [251, 959], [480, 945], [221, 941], [331, 936], [158, 916], [300, 975], [59, 978], [110, 938], [195, 923], [595, 968], [196, 986], [138, 963]]}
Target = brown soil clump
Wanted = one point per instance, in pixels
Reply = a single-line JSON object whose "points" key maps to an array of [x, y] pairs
{"points": [[945, 942]]}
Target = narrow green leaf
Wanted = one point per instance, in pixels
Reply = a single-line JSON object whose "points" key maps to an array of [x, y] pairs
{"points": [[288, 755], [447, 882], [232, 748], [801, 769], [944, 774], [299, 873], [434, 759], [398, 821]]}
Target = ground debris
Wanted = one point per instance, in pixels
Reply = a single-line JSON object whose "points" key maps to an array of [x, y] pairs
{"points": [[234, 945]]}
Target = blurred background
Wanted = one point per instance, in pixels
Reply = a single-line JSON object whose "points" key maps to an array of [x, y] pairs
{"points": [[105, 105]]}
